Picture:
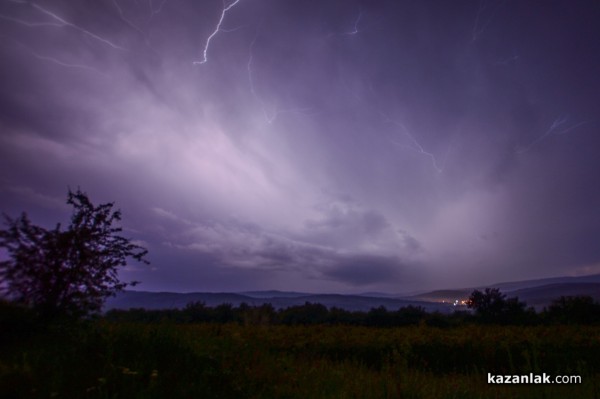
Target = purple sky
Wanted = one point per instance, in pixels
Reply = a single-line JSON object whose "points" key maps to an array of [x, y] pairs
{"points": [[323, 146]]}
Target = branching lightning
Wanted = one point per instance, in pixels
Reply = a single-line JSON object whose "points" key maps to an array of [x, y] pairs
{"points": [[65, 64], [61, 23], [481, 24], [217, 29], [76, 27], [415, 145], [558, 127], [356, 23], [269, 118], [134, 26], [50, 59], [154, 11], [251, 79], [31, 24], [508, 61], [355, 30], [126, 20], [234, 29], [567, 130]]}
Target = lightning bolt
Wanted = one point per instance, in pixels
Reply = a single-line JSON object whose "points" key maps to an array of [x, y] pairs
{"points": [[67, 65], [507, 61], [60, 23], [76, 27], [134, 26], [31, 24], [353, 32], [414, 143], [155, 11], [416, 146], [356, 22], [475, 30], [479, 27], [557, 128], [234, 29], [207, 44], [127, 21], [268, 118], [567, 130], [52, 59]]}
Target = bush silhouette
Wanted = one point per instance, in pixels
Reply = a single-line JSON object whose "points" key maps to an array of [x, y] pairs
{"points": [[492, 306], [66, 272], [573, 310]]}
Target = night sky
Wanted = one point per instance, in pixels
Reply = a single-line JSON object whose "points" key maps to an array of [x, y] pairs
{"points": [[313, 145]]}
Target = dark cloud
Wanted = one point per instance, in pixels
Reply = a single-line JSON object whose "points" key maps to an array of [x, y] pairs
{"points": [[365, 270]]}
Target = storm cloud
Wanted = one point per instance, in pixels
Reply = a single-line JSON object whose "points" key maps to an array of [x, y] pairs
{"points": [[312, 145]]}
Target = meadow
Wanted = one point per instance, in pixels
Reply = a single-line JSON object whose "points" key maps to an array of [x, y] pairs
{"points": [[105, 359]]}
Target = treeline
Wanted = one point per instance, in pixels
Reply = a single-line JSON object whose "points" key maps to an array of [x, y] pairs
{"points": [[488, 307]]}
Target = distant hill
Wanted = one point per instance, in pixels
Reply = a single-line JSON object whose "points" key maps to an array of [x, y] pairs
{"points": [[170, 300], [517, 285], [375, 294], [542, 296], [274, 294], [443, 295], [537, 293]]}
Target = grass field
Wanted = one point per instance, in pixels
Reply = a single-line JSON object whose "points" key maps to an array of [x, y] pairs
{"points": [[120, 360]]}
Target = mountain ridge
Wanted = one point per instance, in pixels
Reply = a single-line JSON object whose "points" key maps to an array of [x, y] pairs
{"points": [[538, 293]]}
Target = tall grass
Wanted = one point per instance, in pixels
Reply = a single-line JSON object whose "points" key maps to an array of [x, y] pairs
{"points": [[119, 360]]}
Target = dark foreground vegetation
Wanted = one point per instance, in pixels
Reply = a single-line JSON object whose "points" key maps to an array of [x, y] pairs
{"points": [[489, 307], [242, 356]]}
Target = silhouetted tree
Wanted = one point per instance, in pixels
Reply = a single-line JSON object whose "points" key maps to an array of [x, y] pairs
{"points": [[437, 319], [342, 316], [409, 315], [196, 312], [224, 313], [264, 314], [487, 304], [379, 317], [309, 313], [70, 272], [573, 310], [492, 306]]}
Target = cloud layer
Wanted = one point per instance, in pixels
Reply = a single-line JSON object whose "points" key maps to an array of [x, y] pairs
{"points": [[323, 146]]}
